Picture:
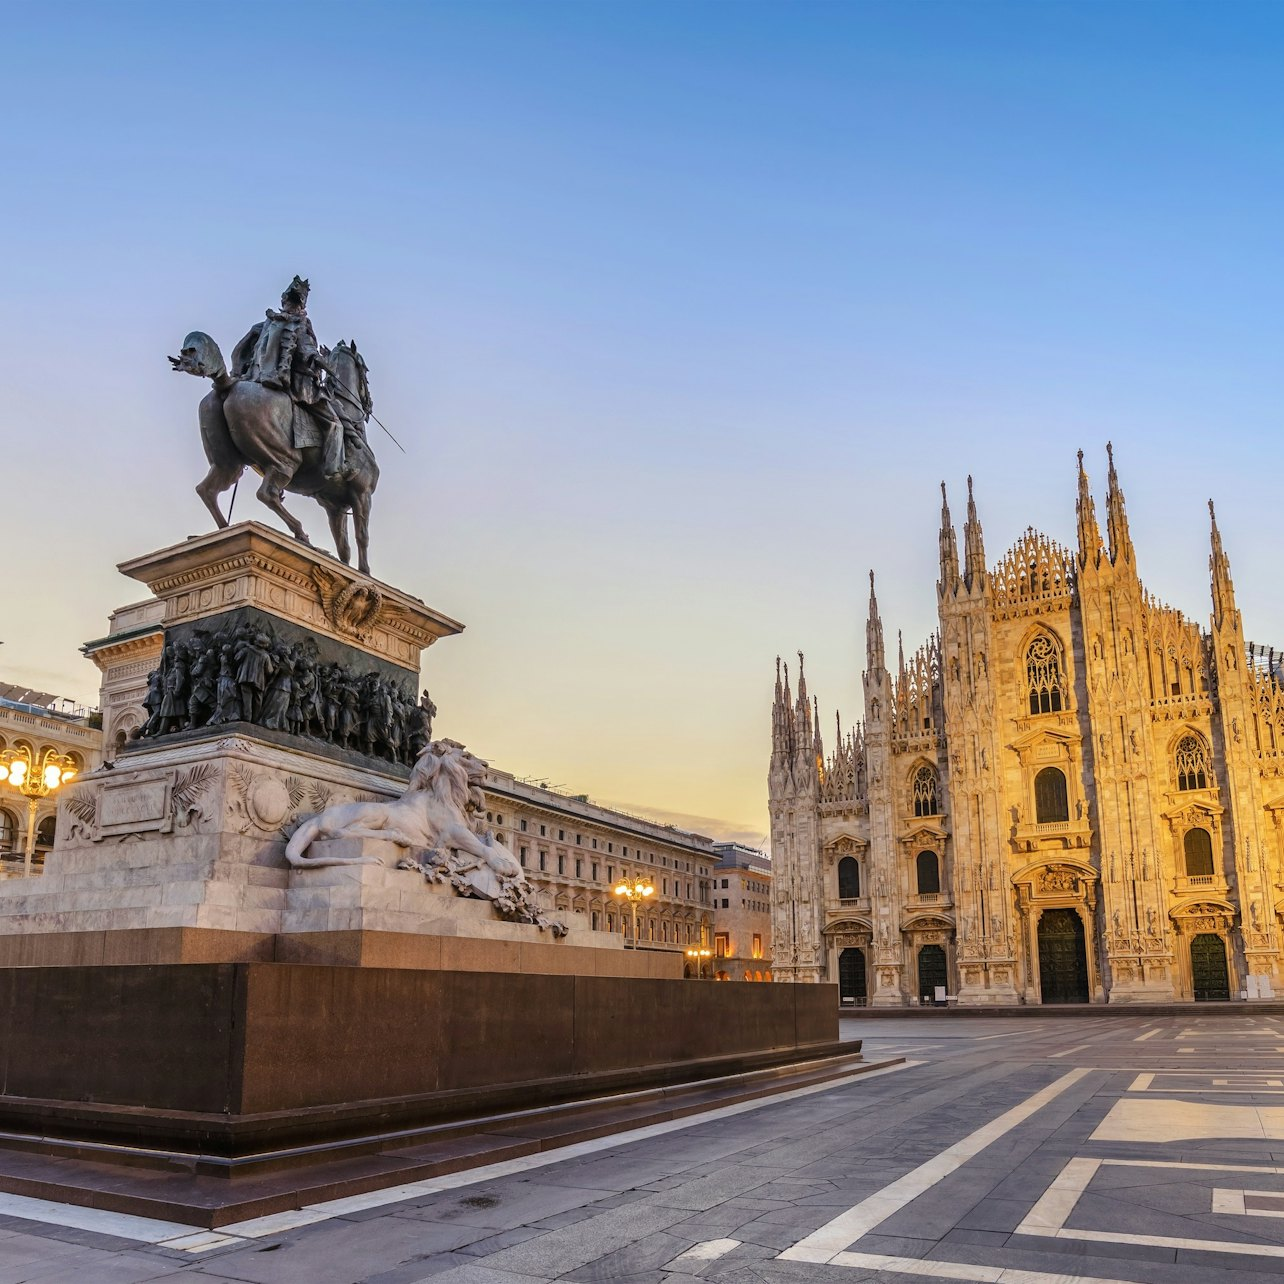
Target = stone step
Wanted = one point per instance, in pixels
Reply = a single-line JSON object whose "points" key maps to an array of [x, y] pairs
{"points": [[212, 1192]]}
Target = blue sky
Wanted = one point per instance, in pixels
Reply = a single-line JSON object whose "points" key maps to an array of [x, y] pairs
{"points": [[682, 311]]}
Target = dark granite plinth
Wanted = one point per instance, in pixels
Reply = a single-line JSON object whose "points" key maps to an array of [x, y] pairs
{"points": [[227, 1060]]}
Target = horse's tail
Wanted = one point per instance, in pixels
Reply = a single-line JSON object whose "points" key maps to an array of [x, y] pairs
{"points": [[302, 839], [200, 356]]}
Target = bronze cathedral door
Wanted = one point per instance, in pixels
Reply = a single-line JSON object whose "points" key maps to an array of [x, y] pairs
{"points": [[1208, 968], [1063, 958]]}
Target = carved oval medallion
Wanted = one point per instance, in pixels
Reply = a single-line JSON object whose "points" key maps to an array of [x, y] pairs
{"points": [[269, 801]]}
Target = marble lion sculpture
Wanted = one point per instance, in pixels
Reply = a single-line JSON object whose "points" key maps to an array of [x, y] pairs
{"points": [[440, 818]]}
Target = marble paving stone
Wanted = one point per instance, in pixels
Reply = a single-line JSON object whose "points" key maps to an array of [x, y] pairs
{"points": [[493, 1243], [421, 1268], [340, 1249], [515, 1203], [475, 1273], [643, 1256], [574, 1246], [95, 1267]]}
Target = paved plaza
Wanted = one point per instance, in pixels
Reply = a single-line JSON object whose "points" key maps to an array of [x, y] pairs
{"points": [[1048, 1148]]}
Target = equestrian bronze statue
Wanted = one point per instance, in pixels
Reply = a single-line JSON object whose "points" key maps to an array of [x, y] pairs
{"points": [[293, 411]]}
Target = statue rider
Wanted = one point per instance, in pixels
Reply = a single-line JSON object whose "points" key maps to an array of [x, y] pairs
{"points": [[282, 352]]}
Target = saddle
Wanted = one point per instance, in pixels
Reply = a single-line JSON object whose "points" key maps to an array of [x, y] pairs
{"points": [[304, 429]]}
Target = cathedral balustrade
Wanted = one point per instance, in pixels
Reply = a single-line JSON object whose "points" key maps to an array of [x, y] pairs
{"points": [[845, 807], [938, 900], [1175, 708], [847, 905], [1200, 885], [1066, 834]]}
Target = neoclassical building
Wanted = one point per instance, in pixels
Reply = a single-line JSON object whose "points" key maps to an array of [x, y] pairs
{"points": [[37, 721], [1070, 793]]}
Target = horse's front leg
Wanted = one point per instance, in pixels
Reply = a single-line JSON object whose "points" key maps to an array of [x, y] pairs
{"points": [[361, 528], [220, 478], [271, 492], [338, 516]]}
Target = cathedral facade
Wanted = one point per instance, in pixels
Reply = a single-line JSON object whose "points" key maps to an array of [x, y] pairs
{"points": [[1070, 793]]}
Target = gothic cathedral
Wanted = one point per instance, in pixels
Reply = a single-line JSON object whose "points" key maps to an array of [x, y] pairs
{"points": [[1070, 794]]}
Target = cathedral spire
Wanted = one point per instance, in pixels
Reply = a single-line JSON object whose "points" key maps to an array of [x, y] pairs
{"points": [[973, 544], [1116, 518], [1219, 565], [874, 660], [949, 549], [1089, 531], [900, 653]]}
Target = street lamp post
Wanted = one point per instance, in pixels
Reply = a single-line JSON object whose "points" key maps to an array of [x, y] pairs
{"points": [[634, 890], [698, 953], [34, 780]]}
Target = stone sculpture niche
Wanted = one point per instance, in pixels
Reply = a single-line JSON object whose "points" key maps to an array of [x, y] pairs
{"points": [[441, 820]]}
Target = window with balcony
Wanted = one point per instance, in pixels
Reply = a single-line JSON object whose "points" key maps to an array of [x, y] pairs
{"points": [[848, 879], [1051, 803], [1199, 853], [928, 871]]}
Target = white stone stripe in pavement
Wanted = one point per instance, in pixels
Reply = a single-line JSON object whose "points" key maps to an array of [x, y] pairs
{"points": [[1079, 1047], [147, 1230], [150, 1231], [1048, 1217], [824, 1244], [925, 1266]]}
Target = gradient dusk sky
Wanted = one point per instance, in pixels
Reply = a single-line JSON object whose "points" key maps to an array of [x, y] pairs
{"points": [[682, 311]]}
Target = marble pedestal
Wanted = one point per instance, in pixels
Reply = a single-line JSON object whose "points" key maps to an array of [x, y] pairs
{"points": [[176, 853]]}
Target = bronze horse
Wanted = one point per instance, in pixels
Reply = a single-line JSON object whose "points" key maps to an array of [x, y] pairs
{"points": [[245, 423]]}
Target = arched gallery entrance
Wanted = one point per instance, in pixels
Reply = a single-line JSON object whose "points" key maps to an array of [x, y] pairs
{"points": [[851, 976], [1209, 974], [1063, 958], [931, 971]]}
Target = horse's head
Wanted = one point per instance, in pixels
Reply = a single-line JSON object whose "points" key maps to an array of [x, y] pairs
{"points": [[199, 356], [349, 369]]}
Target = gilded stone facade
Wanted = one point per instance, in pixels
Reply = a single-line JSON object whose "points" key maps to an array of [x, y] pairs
{"points": [[1070, 793]]}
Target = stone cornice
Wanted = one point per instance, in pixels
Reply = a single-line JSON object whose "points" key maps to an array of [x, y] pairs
{"points": [[251, 565]]}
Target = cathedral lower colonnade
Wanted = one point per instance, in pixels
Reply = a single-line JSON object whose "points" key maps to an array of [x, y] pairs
{"points": [[1069, 794]]}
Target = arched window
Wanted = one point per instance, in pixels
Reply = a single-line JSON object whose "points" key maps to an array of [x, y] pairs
{"points": [[1044, 676], [848, 879], [8, 831], [45, 831], [1191, 757], [1050, 802], [928, 870], [925, 803], [1199, 853]]}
